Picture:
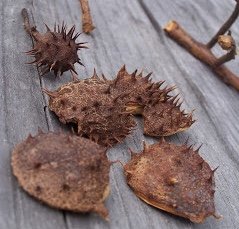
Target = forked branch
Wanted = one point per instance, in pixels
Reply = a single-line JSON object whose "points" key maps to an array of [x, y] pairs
{"points": [[203, 51], [225, 27]]}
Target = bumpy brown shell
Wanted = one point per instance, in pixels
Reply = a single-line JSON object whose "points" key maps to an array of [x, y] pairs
{"points": [[173, 178], [161, 111], [64, 171], [56, 50], [90, 104], [102, 108], [140, 90], [165, 118]]}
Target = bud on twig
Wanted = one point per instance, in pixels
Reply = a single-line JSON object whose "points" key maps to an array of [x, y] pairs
{"points": [[226, 41]]}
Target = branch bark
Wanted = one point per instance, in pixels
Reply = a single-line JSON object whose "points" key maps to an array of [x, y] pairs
{"points": [[87, 23], [201, 52]]}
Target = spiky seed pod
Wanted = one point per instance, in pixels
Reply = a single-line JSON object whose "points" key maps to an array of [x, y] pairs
{"points": [[173, 178], [56, 50], [165, 118], [90, 104], [102, 108], [108, 126], [161, 111], [64, 171], [138, 89]]}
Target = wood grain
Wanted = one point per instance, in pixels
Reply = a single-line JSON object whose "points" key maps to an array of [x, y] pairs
{"points": [[127, 32]]}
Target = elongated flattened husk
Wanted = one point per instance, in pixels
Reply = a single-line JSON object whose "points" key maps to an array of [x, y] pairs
{"points": [[64, 171], [103, 109], [173, 178], [161, 111], [90, 104]]}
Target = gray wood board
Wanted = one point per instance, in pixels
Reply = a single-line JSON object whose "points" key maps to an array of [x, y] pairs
{"points": [[127, 32]]}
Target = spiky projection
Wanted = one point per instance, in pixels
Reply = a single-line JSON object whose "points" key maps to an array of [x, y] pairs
{"points": [[56, 50], [90, 104], [173, 178], [64, 171]]}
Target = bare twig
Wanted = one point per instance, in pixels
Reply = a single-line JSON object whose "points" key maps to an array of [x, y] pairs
{"points": [[227, 57], [225, 26], [87, 23], [31, 30], [203, 52], [26, 21]]}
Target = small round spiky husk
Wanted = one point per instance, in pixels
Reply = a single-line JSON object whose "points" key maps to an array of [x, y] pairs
{"points": [[56, 50], [173, 178], [90, 104], [64, 171]]}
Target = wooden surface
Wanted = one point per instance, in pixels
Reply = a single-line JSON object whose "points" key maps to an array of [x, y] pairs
{"points": [[127, 32]]}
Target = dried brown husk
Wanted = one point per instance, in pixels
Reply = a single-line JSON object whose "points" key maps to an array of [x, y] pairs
{"points": [[64, 171], [173, 178], [103, 109], [138, 89], [165, 118], [161, 111], [90, 104], [56, 50]]}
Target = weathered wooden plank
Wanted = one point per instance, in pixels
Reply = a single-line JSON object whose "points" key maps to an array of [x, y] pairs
{"points": [[21, 113], [122, 201], [131, 33], [216, 104]]}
